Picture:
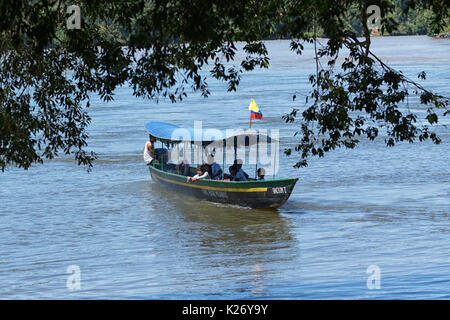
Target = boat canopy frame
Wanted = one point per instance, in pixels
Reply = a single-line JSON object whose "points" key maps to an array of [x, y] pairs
{"points": [[171, 134]]}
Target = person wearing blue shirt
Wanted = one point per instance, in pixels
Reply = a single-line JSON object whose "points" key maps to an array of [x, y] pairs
{"points": [[240, 175], [238, 165], [237, 175], [216, 170]]}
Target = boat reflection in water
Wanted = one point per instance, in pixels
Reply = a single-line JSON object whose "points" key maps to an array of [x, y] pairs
{"points": [[167, 170]]}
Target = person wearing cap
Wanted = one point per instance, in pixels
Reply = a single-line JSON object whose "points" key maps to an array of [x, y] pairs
{"points": [[234, 176], [240, 173]]}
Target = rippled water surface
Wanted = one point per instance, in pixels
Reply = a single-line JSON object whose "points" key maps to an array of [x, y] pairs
{"points": [[132, 239]]}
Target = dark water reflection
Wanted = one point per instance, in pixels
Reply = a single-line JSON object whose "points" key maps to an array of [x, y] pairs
{"points": [[230, 244]]}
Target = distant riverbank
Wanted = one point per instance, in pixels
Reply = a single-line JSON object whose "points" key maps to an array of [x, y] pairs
{"points": [[442, 35]]}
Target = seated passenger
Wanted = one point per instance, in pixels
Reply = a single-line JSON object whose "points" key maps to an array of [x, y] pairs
{"points": [[184, 168], [240, 176], [208, 169], [236, 175], [202, 173], [238, 164], [261, 173], [170, 167], [216, 171], [232, 174]]}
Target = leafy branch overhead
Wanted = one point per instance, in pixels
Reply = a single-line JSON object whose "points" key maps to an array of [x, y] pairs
{"points": [[48, 72], [363, 97]]}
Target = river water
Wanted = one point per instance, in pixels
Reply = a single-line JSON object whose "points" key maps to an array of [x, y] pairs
{"points": [[368, 223]]}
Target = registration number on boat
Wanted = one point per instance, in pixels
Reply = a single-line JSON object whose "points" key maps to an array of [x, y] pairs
{"points": [[279, 190]]}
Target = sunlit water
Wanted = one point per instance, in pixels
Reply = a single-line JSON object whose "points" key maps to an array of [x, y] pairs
{"points": [[373, 205]]}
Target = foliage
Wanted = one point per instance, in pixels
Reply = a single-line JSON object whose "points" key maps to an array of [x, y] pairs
{"points": [[48, 72], [363, 94], [414, 21]]}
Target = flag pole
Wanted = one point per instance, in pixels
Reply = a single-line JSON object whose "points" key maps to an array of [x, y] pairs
{"points": [[251, 115]]}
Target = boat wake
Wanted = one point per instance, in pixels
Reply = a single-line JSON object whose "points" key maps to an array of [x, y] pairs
{"points": [[225, 205]]}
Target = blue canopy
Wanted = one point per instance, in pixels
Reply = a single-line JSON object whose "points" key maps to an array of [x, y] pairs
{"points": [[168, 132], [161, 130]]}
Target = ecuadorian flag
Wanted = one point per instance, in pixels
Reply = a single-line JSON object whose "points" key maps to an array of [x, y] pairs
{"points": [[255, 113]]}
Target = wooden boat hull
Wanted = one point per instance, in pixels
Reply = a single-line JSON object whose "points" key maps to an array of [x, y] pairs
{"points": [[253, 194]]}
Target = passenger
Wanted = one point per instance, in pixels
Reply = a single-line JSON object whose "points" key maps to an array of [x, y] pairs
{"points": [[238, 164], [240, 175], [237, 175], [184, 168], [216, 169], [148, 150], [232, 174], [208, 169], [202, 173], [261, 173]]}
